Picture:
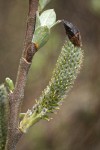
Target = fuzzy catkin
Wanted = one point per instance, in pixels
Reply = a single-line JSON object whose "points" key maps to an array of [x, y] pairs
{"points": [[3, 116], [64, 75]]}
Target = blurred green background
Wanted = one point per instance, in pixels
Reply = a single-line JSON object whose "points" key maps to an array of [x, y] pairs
{"points": [[77, 124]]}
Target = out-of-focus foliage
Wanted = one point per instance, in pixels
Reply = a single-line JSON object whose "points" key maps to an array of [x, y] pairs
{"points": [[95, 4], [3, 116]]}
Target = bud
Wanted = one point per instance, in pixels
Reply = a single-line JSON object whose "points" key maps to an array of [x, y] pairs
{"points": [[41, 36], [9, 84], [73, 33]]}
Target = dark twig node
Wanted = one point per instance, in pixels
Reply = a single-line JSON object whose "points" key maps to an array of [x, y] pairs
{"points": [[29, 52]]}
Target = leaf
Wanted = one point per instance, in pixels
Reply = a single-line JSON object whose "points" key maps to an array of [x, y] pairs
{"points": [[48, 18], [42, 4], [38, 23], [41, 36]]}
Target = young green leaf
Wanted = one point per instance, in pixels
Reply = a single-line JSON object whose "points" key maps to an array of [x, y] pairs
{"points": [[42, 4], [38, 23], [41, 36], [48, 18]]}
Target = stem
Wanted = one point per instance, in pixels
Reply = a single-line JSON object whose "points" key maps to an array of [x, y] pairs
{"points": [[15, 98]]}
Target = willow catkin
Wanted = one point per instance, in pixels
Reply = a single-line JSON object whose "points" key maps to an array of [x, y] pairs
{"points": [[64, 75]]}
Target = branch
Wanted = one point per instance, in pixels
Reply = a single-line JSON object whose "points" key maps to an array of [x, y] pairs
{"points": [[15, 98]]}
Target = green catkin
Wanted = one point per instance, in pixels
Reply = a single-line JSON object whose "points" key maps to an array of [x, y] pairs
{"points": [[3, 116], [64, 75]]}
